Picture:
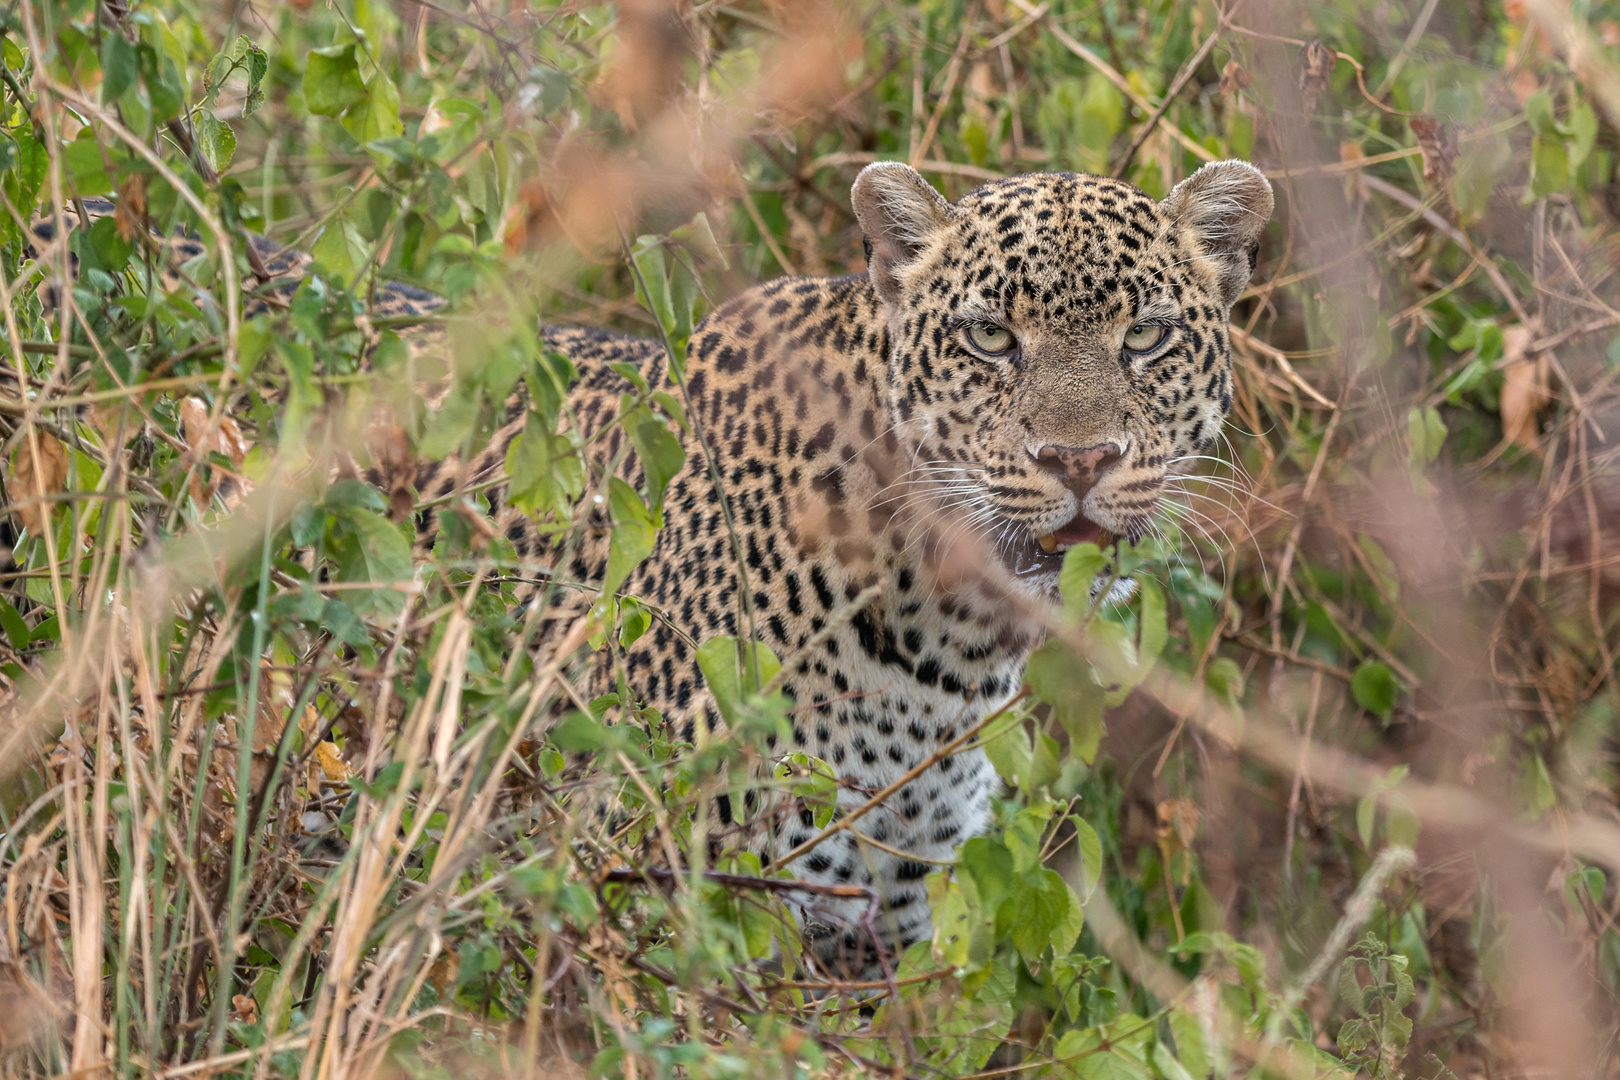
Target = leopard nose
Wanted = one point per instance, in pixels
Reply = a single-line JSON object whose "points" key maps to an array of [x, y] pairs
{"points": [[1079, 469]]}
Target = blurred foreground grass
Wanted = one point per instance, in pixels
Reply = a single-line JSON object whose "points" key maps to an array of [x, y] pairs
{"points": [[263, 819]]}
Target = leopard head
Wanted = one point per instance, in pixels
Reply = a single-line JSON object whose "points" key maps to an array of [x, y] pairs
{"points": [[1058, 343]]}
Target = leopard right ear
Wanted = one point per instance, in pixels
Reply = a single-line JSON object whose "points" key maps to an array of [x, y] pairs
{"points": [[1227, 205], [900, 213]]}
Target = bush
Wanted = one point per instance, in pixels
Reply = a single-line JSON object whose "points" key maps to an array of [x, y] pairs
{"points": [[1332, 794]]}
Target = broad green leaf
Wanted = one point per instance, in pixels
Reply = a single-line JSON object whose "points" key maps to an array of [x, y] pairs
{"points": [[376, 115], [546, 471], [1155, 627], [652, 281], [119, 66], [1047, 913], [953, 919], [368, 548], [1224, 679], [215, 140], [988, 862], [633, 621], [1089, 847], [16, 629], [332, 80], [1550, 167], [732, 675], [1583, 128], [1538, 112], [165, 90], [1375, 688], [339, 249], [1081, 566], [1533, 793], [661, 455], [1191, 1049], [634, 532], [1116, 1051], [1064, 681], [1023, 836]]}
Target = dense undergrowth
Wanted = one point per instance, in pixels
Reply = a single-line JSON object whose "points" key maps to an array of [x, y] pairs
{"points": [[275, 803]]}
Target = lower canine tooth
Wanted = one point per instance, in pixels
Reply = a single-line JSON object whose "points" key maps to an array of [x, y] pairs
{"points": [[1048, 543]]}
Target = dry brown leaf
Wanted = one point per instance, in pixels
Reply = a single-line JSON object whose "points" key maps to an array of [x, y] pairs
{"points": [[1178, 823], [1525, 84], [38, 472], [227, 440], [1524, 387], [1316, 63], [1234, 78], [396, 467], [330, 759], [1177, 826], [129, 214], [1437, 141], [244, 1008]]}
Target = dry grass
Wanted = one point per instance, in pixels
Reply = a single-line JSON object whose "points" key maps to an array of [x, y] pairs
{"points": [[260, 821]]}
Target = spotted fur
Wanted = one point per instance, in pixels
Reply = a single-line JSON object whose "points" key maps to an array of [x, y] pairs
{"points": [[863, 437], [863, 440]]}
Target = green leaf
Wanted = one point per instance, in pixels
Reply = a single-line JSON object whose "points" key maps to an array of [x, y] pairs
{"points": [[953, 921], [215, 139], [1023, 836], [1550, 166], [368, 548], [1048, 913], [1366, 819], [1583, 129], [634, 532], [1063, 680], [1115, 1051], [1081, 566], [332, 80], [120, 67], [1167, 1065], [1089, 848], [16, 629], [661, 456], [1191, 1049], [1155, 627], [733, 675], [1375, 688], [546, 471], [1587, 880], [376, 115], [339, 249], [633, 621], [1533, 792], [989, 864], [87, 165], [164, 88], [1224, 679], [652, 281]]}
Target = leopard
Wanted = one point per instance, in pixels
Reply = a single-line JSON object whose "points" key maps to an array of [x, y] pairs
{"points": [[1015, 373], [883, 474]]}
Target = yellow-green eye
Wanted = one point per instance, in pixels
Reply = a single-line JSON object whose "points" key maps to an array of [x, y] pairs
{"points": [[993, 340], [1144, 336]]}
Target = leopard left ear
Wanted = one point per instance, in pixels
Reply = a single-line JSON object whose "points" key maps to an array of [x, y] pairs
{"points": [[900, 213], [1227, 205]]}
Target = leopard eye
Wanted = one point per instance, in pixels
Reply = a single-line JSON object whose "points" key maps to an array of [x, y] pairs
{"points": [[993, 340], [1143, 337]]}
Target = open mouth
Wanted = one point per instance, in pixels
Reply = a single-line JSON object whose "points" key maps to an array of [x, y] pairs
{"points": [[1028, 554]]}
